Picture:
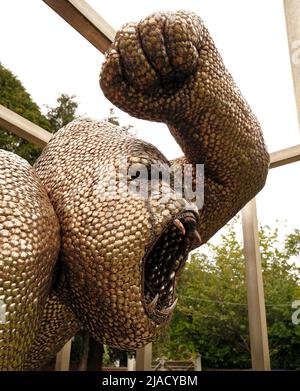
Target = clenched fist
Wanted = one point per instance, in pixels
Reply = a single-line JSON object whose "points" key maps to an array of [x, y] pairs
{"points": [[157, 69]]}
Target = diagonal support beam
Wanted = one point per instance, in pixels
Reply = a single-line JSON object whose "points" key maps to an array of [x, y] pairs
{"points": [[80, 15], [285, 156], [14, 123]]}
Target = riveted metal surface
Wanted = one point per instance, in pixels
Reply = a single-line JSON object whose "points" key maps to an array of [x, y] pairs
{"points": [[29, 244]]}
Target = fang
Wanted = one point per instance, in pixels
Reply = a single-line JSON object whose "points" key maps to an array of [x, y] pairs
{"points": [[180, 226], [152, 305], [168, 310]]}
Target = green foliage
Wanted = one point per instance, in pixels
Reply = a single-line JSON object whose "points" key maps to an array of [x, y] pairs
{"points": [[63, 113], [212, 318], [14, 96]]}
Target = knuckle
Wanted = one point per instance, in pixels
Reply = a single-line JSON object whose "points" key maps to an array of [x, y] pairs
{"points": [[136, 66]]}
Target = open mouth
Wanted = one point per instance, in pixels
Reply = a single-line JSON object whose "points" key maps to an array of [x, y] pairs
{"points": [[163, 263]]}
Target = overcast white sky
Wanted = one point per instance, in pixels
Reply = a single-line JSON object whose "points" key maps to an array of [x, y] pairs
{"points": [[49, 57]]}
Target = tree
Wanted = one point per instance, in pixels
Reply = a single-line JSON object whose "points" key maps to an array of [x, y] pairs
{"points": [[212, 318], [63, 113], [14, 96]]}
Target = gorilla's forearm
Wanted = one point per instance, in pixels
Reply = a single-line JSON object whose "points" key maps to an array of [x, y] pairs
{"points": [[219, 130]]}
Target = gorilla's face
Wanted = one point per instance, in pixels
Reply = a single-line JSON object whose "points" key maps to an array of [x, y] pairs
{"points": [[126, 232]]}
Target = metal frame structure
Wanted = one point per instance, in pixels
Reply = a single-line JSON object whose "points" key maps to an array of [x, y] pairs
{"points": [[80, 15]]}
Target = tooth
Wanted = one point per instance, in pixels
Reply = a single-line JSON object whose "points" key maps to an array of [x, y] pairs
{"points": [[168, 310], [171, 276], [173, 305], [163, 287], [197, 237], [152, 305], [180, 226]]}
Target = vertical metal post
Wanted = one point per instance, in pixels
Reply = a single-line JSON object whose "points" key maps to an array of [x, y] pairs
{"points": [[144, 358], [292, 17], [130, 363], [63, 357], [255, 290], [85, 354], [198, 363]]}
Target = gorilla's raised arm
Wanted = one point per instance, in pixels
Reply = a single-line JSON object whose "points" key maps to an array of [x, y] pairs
{"points": [[166, 68]]}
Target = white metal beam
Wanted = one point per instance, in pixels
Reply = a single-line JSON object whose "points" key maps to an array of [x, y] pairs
{"points": [[285, 156], [144, 358], [292, 17], [80, 15], [63, 357], [13, 122], [255, 290]]}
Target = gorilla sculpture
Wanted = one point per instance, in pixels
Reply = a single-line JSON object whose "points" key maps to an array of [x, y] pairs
{"points": [[71, 258]]}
